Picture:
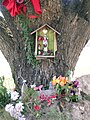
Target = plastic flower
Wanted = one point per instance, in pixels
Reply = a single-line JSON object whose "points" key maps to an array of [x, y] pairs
{"points": [[13, 112], [21, 118], [11, 109], [8, 107], [73, 92], [63, 80], [14, 95], [75, 83], [42, 97], [49, 102], [40, 38], [36, 107], [60, 80], [19, 107]]}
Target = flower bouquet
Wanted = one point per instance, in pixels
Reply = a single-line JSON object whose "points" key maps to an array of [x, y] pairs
{"points": [[65, 89]]}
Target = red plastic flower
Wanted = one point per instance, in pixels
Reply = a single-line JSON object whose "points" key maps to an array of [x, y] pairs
{"points": [[40, 38], [36, 107], [43, 97], [49, 102]]}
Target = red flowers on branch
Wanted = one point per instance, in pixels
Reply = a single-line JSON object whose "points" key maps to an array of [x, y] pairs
{"points": [[36, 107]]}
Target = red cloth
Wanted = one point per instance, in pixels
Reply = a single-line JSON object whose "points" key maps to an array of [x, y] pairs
{"points": [[32, 16], [36, 5], [14, 8]]}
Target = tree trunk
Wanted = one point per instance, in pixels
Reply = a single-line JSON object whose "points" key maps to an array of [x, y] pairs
{"points": [[74, 28]]}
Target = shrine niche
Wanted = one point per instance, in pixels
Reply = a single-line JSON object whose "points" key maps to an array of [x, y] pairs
{"points": [[45, 42]]}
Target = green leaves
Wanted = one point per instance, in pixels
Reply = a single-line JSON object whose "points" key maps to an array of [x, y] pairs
{"points": [[4, 96], [28, 40], [29, 93], [74, 98]]}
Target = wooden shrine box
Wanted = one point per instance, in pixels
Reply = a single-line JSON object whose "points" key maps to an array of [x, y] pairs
{"points": [[45, 43]]}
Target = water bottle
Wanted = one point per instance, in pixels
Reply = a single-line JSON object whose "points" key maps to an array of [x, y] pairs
{"points": [[23, 89]]}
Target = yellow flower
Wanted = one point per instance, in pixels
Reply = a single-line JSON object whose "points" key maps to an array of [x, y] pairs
{"points": [[63, 80], [57, 80], [69, 87], [60, 80], [54, 81]]}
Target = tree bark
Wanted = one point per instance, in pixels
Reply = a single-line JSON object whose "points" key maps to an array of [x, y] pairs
{"points": [[74, 28]]}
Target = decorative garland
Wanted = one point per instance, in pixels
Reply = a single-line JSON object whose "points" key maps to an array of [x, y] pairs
{"points": [[29, 40]]}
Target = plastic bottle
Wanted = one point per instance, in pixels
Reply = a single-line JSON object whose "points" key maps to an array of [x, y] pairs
{"points": [[23, 89], [50, 86]]}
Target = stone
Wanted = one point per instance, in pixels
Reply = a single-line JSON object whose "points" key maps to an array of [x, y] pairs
{"points": [[84, 83]]}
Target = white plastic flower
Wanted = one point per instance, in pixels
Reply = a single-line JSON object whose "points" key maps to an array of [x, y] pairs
{"points": [[16, 114], [8, 107], [19, 107], [14, 95], [21, 118], [12, 112]]}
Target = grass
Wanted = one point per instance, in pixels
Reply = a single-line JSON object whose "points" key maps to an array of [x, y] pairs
{"points": [[5, 115], [53, 114]]}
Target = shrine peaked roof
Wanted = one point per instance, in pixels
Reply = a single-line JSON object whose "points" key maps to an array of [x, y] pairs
{"points": [[44, 26]]}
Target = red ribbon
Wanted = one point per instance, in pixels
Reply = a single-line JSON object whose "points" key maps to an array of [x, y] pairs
{"points": [[15, 8], [36, 5]]}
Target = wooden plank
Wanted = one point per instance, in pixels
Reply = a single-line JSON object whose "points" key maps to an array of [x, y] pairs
{"points": [[42, 56], [36, 45], [55, 42]]}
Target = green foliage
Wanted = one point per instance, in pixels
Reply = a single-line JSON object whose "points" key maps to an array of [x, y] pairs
{"points": [[29, 40], [55, 115], [4, 97], [73, 98], [67, 74], [29, 93], [30, 100]]}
